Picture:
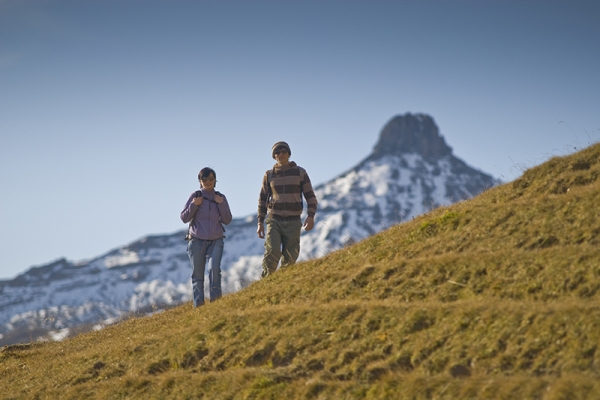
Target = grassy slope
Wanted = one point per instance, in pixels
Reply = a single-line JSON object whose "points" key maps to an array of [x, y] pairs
{"points": [[495, 297]]}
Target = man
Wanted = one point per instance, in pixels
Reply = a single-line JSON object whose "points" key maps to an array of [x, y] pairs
{"points": [[281, 196]]}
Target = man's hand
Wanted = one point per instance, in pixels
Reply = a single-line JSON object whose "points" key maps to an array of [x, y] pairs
{"points": [[218, 199], [261, 230], [198, 200], [309, 222]]}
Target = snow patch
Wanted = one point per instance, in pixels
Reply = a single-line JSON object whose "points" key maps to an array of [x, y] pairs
{"points": [[124, 258], [62, 334]]}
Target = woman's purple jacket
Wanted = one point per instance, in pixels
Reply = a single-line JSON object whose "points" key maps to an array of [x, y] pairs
{"points": [[208, 217]]}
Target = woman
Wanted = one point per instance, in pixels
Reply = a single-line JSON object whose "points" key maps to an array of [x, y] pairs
{"points": [[206, 211]]}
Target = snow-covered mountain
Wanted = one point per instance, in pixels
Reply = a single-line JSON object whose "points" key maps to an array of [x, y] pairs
{"points": [[411, 170]]}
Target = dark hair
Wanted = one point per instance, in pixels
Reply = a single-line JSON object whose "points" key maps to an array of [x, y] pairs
{"points": [[205, 173]]}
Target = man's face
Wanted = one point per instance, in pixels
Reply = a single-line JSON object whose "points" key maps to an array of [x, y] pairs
{"points": [[281, 155]]}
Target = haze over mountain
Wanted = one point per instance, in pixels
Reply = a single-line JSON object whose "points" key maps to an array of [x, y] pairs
{"points": [[411, 170]]}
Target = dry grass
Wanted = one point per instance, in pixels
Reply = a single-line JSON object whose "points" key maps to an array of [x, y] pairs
{"points": [[492, 298]]}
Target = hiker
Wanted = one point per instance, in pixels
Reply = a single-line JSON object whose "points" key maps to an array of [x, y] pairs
{"points": [[281, 195], [206, 211]]}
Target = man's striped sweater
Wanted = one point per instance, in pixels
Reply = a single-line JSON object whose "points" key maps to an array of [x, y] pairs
{"points": [[284, 197]]}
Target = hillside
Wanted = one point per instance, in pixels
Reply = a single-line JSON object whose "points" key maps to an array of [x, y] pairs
{"points": [[494, 297]]}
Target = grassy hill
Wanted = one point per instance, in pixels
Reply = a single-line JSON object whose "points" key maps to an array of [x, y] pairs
{"points": [[497, 297]]}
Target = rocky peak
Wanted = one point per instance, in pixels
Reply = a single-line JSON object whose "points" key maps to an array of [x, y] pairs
{"points": [[410, 133]]}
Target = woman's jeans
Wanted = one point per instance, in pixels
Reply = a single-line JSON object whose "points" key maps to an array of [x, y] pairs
{"points": [[203, 252]]}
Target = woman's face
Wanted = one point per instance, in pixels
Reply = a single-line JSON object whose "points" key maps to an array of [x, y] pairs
{"points": [[208, 182]]}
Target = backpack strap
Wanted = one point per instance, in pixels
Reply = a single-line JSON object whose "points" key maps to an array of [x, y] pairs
{"points": [[188, 237], [269, 178], [222, 226]]}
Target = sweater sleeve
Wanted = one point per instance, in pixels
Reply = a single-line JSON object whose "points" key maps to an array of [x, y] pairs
{"points": [[189, 210], [309, 195], [263, 198], [224, 211]]}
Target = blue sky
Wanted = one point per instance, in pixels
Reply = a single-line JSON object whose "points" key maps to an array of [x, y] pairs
{"points": [[108, 109]]}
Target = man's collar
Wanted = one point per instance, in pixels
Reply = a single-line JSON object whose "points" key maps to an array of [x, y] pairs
{"points": [[285, 166]]}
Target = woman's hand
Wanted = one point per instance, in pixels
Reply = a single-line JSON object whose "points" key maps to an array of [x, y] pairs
{"points": [[198, 200], [218, 199]]}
